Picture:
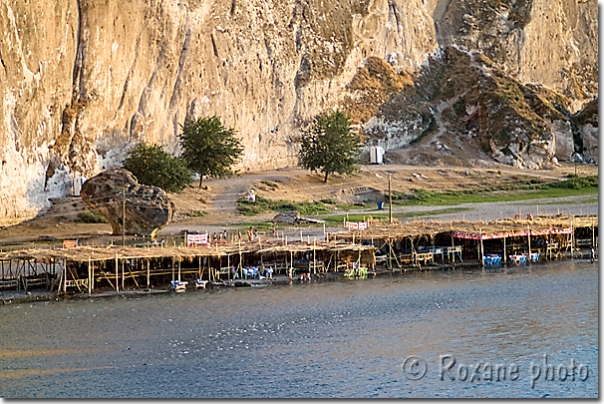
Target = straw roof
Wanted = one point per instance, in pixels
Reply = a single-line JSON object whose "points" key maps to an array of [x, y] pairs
{"points": [[85, 253], [377, 230], [384, 230]]}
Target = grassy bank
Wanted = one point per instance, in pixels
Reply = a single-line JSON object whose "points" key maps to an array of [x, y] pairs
{"points": [[406, 215], [535, 189], [528, 190]]}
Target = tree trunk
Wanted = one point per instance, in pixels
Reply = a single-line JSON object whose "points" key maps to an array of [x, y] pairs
{"points": [[200, 179], [326, 174]]}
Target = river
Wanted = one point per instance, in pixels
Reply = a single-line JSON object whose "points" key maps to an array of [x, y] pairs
{"points": [[348, 338]]}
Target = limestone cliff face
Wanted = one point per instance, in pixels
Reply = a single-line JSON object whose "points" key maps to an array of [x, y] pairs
{"points": [[81, 81]]}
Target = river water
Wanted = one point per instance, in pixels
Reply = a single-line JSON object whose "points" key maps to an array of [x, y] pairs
{"points": [[347, 338]]}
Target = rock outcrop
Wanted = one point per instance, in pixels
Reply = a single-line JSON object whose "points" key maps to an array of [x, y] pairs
{"points": [[290, 217], [147, 208], [81, 81]]}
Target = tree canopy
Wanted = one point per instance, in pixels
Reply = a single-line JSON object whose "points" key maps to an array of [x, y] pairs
{"points": [[209, 148], [152, 165], [329, 146]]}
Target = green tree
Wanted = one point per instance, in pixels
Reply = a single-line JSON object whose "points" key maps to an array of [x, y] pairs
{"points": [[209, 148], [151, 165], [330, 146]]}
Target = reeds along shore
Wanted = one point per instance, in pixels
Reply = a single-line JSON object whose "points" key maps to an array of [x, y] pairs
{"points": [[382, 246]]}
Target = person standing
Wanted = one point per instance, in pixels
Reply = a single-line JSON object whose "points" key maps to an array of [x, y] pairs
{"points": [[593, 255]]}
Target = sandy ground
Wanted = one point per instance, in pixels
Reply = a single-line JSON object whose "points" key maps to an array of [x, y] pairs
{"points": [[216, 201]]}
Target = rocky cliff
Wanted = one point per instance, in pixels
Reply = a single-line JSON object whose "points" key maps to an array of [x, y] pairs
{"points": [[81, 81]]}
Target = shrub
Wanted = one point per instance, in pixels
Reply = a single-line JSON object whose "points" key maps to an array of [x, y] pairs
{"points": [[249, 208], [91, 216], [151, 165]]}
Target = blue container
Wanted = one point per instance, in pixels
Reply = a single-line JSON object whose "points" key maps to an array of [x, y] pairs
{"points": [[380, 205]]}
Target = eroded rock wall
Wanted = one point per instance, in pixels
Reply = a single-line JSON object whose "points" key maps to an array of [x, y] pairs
{"points": [[81, 81]]}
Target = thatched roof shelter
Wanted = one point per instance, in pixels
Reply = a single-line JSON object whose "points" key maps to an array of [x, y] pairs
{"points": [[538, 225], [105, 253]]}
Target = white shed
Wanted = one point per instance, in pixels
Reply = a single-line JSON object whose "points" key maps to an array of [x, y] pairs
{"points": [[77, 185], [377, 155]]}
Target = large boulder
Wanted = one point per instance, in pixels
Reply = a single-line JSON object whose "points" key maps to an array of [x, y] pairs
{"points": [[287, 217], [148, 208]]}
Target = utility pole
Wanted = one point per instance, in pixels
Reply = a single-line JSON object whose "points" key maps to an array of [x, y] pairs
{"points": [[390, 194], [124, 217]]}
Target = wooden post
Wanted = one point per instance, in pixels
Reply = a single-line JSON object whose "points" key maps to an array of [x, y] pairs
{"points": [[314, 255], [229, 266], [481, 249], [172, 268], [89, 282], [529, 243], [124, 218], [123, 270], [390, 195], [390, 255], [240, 265], [179, 263], [92, 277], [117, 270], [301, 239], [572, 231], [65, 273], [200, 273], [505, 255], [148, 274]]}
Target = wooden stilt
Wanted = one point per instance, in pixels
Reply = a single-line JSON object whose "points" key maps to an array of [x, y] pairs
{"points": [[505, 255], [148, 274], [117, 286], [123, 274], [481, 249], [314, 255], [64, 275], [390, 255], [89, 278], [240, 265], [529, 243]]}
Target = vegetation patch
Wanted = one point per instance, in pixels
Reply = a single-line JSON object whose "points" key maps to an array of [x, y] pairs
{"points": [[261, 205], [328, 201], [576, 182], [197, 213], [529, 189], [405, 215], [91, 216], [353, 218], [429, 118]]}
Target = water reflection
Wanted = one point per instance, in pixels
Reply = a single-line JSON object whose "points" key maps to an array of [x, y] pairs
{"points": [[333, 339]]}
